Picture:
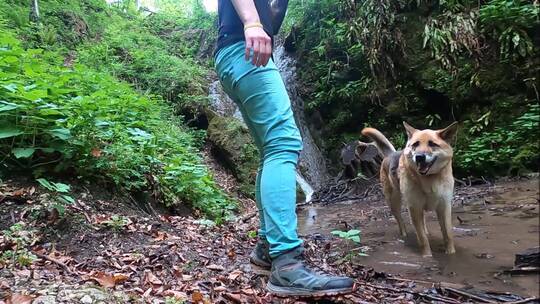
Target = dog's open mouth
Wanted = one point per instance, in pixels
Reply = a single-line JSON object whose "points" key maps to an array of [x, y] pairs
{"points": [[423, 168]]}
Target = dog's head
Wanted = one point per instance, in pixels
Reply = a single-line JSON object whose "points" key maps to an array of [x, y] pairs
{"points": [[428, 151]]}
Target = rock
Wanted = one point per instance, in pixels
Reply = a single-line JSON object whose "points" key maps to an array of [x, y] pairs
{"points": [[86, 299], [45, 300], [359, 157], [84, 295], [528, 258], [234, 145]]}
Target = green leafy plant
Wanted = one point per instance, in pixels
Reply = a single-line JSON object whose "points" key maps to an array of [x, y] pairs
{"points": [[479, 124], [54, 118], [432, 119], [16, 239], [117, 222], [252, 234], [506, 149], [60, 194], [510, 21], [353, 235]]}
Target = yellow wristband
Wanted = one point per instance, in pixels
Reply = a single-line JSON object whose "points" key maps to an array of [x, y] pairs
{"points": [[254, 24]]}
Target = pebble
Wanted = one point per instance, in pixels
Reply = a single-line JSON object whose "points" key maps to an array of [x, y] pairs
{"points": [[87, 299]]}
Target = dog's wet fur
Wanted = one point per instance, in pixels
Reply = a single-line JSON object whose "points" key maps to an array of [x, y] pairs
{"points": [[420, 177]]}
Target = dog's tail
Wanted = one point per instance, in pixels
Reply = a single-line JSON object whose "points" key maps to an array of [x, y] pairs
{"points": [[382, 143]]}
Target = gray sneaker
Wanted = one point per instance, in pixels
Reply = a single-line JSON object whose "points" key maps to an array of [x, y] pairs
{"points": [[260, 255], [290, 277]]}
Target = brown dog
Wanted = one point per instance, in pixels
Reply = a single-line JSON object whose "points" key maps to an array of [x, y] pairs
{"points": [[420, 177]]}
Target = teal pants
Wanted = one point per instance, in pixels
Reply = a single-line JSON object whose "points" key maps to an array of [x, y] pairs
{"points": [[264, 103]]}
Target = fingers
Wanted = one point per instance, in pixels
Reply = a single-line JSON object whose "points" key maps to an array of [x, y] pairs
{"points": [[262, 50], [256, 52], [267, 52], [249, 45], [258, 47]]}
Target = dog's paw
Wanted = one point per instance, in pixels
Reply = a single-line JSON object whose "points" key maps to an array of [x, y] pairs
{"points": [[426, 253], [450, 250]]}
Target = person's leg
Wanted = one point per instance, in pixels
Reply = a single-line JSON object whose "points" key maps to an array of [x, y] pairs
{"points": [[261, 94], [261, 233], [263, 100], [224, 68]]}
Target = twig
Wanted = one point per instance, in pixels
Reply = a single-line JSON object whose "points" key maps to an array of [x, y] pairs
{"points": [[55, 261], [232, 297], [462, 183], [428, 283], [247, 217], [527, 300], [468, 295], [445, 300], [442, 299]]}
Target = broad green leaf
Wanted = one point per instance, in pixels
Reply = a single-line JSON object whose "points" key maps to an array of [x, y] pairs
{"points": [[6, 132], [7, 106], [23, 152], [68, 199], [63, 134], [353, 232], [10, 87], [45, 183], [35, 94], [60, 187], [60, 208], [50, 112]]}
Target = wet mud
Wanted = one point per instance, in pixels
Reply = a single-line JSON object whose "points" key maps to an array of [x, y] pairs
{"points": [[492, 223]]}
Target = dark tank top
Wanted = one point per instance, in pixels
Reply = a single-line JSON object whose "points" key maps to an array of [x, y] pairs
{"points": [[231, 28]]}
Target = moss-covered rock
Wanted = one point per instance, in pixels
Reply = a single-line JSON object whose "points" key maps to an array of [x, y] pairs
{"points": [[234, 145]]}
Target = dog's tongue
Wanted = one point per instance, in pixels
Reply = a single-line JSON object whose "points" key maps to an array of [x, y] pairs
{"points": [[423, 168]]}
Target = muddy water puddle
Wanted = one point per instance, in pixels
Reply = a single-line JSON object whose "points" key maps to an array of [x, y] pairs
{"points": [[489, 229]]}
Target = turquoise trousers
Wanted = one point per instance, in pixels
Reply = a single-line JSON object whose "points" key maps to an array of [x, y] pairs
{"points": [[264, 103]]}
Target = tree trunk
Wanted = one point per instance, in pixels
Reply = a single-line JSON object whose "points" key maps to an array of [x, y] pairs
{"points": [[34, 10]]}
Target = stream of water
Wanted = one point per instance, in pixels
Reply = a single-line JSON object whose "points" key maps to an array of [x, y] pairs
{"points": [[312, 162]]}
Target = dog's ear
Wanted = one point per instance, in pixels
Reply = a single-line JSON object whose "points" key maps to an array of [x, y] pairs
{"points": [[448, 133], [410, 130]]}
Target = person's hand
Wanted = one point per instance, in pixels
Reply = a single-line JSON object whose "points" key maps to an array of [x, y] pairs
{"points": [[260, 42]]}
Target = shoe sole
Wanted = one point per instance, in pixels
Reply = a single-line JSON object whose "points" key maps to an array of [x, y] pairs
{"points": [[301, 292], [260, 268]]}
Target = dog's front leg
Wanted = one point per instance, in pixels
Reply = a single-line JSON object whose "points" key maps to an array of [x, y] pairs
{"points": [[444, 214], [417, 217]]}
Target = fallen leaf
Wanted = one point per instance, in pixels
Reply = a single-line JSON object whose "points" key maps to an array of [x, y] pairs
{"points": [[152, 279], [186, 277], [120, 277], [215, 267], [235, 274], [147, 292], [108, 280], [20, 299], [18, 193], [160, 236], [197, 296], [179, 295], [96, 152], [220, 288]]}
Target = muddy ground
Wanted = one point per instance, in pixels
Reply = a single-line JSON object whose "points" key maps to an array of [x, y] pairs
{"points": [[106, 249], [491, 224]]}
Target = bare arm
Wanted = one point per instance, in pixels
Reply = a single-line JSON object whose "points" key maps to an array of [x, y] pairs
{"points": [[256, 37]]}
